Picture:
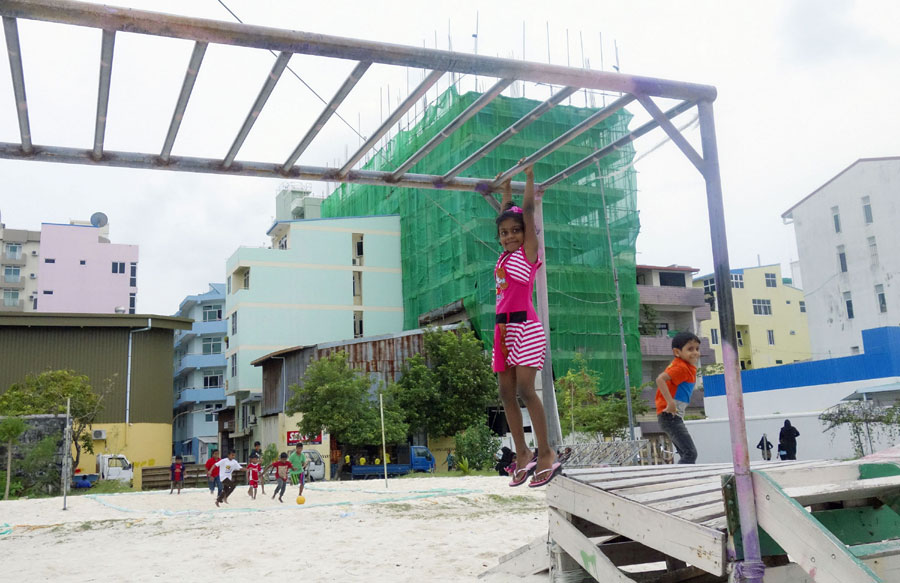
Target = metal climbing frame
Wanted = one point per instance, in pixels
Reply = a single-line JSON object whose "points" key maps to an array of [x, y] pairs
{"points": [[110, 21]]}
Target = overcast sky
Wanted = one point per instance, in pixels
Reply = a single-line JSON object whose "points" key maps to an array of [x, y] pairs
{"points": [[804, 89]]}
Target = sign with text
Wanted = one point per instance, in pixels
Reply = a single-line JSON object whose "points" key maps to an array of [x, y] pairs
{"points": [[295, 437]]}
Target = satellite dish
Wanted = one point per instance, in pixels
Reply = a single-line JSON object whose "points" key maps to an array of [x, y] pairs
{"points": [[99, 219]]}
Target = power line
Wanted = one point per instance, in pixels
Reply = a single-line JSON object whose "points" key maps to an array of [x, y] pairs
{"points": [[294, 73]]}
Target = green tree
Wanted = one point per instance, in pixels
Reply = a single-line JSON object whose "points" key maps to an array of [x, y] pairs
{"points": [[337, 399], [582, 410], [11, 429], [647, 322], [47, 392], [454, 390], [477, 445], [40, 465]]}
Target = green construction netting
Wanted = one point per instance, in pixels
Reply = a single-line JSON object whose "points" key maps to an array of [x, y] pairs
{"points": [[449, 240]]}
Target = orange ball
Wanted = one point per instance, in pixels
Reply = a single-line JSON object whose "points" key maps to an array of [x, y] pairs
{"points": [[301, 500]]}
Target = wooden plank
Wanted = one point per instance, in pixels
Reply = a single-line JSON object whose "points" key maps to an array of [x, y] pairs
{"points": [[701, 513], [810, 476], [695, 544], [674, 493], [840, 491], [583, 551], [631, 553], [811, 546], [526, 560], [686, 502]]}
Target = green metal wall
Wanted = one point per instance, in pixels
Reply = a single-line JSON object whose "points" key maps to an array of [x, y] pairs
{"points": [[101, 353]]}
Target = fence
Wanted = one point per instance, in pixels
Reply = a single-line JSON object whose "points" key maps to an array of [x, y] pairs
{"points": [[607, 453], [157, 477]]}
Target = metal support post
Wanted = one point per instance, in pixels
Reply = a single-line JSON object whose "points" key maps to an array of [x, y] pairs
{"points": [[751, 570], [548, 391]]}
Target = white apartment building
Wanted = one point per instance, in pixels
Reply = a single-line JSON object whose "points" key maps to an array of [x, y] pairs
{"points": [[849, 252]]}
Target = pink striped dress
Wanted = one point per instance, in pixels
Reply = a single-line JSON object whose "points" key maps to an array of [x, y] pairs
{"points": [[519, 338]]}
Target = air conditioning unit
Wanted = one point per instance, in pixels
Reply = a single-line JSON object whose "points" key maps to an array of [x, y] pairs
{"points": [[32, 276], [356, 261], [34, 252], [252, 420], [98, 434]]}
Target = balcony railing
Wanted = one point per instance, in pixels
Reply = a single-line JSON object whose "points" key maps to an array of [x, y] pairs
{"points": [[662, 295], [198, 395], [191, 362], [661, 346], [12, 306]]}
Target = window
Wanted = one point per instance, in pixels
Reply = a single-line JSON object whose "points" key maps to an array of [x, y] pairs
{"points": [[880, 298], [867, 210], [771, 336], [848, 300], [14, 250], [873, 251], [740, 338], [714, 335], [212, 312], [743, 365], [771, 281], [11, 274], [133, 278], [779, 362], [212, 345], [83, 262], [842, 258], [671, 279], [357, 324], [132, 302], [247, 278], [835, 215], [234, 323], [283, 243], [118, 267], [10, 298], [802, 306], [737, 280], [49, 260], [234, 365], [709, 285], [48, 292], [212, 381], [357, 287], [211, 417], [762, 307], [229, 284], [854, 350]]}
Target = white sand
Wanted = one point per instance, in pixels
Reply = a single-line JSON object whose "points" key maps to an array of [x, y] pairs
{"points": [[419, 529]]}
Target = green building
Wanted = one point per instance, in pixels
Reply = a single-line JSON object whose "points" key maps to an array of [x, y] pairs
{"points": [[449, 243]]}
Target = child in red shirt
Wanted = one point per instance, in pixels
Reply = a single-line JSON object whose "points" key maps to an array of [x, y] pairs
{"points": [[176, 474], [282, 474], [253, 471]]}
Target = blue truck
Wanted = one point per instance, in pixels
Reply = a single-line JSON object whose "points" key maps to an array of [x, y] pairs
{"points": [[404, 460]]}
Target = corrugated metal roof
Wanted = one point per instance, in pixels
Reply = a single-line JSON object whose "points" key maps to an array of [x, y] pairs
{"points": [[94, 320]]}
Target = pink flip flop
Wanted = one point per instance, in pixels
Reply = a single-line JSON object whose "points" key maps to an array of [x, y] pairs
{"points": [[552, 470], [525, 472]]}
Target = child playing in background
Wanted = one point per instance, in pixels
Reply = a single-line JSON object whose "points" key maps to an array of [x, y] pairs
{"points": [[227, 466], [282, 475], [212, 472], [176, 474], [673, 393], [253, 471], [519, 338]]}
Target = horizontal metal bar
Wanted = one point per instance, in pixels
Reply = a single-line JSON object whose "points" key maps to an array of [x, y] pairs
{"points": [[483, 100], [14, 50], [672, 132], [407, 104], [146, 161], [213, 31], [106, 60], [190, 77], [342, 93], [512, 130], [610, 148], [564, 139], [261, 99]]}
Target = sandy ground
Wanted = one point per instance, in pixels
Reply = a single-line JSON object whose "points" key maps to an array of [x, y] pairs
{"points": [[419, 529]]}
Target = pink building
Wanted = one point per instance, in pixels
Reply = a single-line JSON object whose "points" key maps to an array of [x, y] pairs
{"points": [[81, 271]]}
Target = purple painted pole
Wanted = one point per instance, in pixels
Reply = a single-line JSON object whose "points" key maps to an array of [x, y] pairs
{"points": [[751, 570]]}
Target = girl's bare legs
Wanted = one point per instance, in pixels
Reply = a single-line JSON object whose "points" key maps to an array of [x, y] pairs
{"points": [[525, 386], [514, 416]]}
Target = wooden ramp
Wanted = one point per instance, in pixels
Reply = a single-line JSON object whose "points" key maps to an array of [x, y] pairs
{"points": [[820, 521]]}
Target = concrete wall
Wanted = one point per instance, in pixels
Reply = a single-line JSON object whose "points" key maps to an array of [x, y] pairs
{"points": [[144, 444], [832, 332], [91, 287]]}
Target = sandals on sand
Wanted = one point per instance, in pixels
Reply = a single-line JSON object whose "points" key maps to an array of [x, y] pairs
{"points": [[550, 472], [520, 475]]}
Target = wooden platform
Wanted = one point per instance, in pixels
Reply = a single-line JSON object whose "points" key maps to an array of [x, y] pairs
{"points": [[823, 521]]}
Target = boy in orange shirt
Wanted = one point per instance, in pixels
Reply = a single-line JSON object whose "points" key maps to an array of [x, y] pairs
{"points": [[673, 393]]}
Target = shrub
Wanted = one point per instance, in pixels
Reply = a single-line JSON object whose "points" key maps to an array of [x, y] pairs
{"points": [[477, 444], [464, 467], [41, 467], [15, 485]]}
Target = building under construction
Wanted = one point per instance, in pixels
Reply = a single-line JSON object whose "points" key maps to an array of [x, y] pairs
{"points": [[449, 238]]}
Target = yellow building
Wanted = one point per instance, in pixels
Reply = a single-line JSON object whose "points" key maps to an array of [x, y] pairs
{"points": [[770, 317]]}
